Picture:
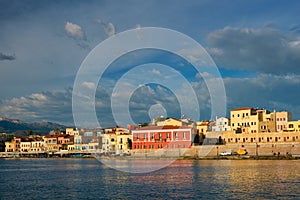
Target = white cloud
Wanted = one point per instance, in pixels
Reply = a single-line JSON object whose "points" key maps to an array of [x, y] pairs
{"points": [[49, 106], [108, 28], [38, 96], [156, 71], [74, 30], [89, 85]]}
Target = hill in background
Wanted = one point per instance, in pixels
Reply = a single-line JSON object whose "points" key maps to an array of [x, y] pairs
{"points": [[22, 128]]}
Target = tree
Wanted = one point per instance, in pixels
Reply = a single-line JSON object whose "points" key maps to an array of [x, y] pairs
{"points": [[30, 132], [197, 139], [129, 143]]}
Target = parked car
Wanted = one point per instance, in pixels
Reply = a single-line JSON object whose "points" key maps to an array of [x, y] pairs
{"points": [[225, 153]]}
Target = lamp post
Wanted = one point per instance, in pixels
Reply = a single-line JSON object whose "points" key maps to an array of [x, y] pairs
{"points": [[256, 149]]}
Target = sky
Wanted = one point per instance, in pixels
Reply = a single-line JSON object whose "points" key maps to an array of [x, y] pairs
{"points": [[254, 44]]}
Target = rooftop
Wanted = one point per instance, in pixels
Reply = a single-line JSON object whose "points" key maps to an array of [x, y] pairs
{"points": [[162, 127]]}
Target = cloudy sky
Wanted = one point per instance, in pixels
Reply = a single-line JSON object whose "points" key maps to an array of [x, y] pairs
{"points": [[255, 45]]}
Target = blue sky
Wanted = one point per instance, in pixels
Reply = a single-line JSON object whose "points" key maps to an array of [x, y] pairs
{"points": [[255, 45]]}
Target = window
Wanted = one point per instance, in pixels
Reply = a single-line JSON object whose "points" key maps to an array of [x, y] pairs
{"points": [[176, 136], [184, 135], [291, 125], [145, 135], [238, 115], [168, 135], [232, 124]]}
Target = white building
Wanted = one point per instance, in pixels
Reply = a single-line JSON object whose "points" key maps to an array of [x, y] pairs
{"points": [[222, 124]]}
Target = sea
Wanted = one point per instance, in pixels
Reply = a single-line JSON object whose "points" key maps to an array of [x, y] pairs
{"points": [[72, 178]]}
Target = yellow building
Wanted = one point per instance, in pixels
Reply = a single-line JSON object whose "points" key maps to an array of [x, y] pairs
{"points": [[268, 123], [109, 142], [245, 120], [293, 126], [170, 122], [25, 146], [10, 147], [120, 130], [203, 127], [50, 142], [230, 137], [72, 131], [71, 147], [123, 143], [282, 118]]}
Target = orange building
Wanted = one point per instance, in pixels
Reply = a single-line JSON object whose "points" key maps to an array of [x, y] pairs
{"points": [[158, 137]]}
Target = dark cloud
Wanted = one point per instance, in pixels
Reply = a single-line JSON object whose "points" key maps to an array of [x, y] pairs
{"points": [[6, 57], [264, 91], [264, 50]]}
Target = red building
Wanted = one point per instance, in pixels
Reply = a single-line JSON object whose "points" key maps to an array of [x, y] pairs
{"points": [[158, 137]]}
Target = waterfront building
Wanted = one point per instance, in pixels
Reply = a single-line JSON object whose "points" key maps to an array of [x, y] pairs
{"points": [[203, 127], [37, 145], [72, 131], [109, 142], [293, 126], [50, 142], [158, 137], [124, 142], [25, 145], [282, 119], [78, 142], [221, 124], [245, 120], [71, 147], [250, 120], [63, 140], [169, 122], [17, 144], [267, 121], [120, 130], [10, 146], [231, 137], [93, 146]]}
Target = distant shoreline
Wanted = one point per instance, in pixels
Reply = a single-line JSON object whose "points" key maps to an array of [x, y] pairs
{"points": [[295, 157]]}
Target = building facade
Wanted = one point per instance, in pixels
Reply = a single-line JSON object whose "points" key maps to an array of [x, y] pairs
{"points": [[159, 137], [245, 120], [282, 118], [231, 137], [293, 126], [222, 124]]}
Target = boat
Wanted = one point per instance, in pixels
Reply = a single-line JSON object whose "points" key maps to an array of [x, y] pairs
{"points": [[242, 152]]}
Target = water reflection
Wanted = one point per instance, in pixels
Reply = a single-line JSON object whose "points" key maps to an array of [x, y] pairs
{"points": [[184, 179]]}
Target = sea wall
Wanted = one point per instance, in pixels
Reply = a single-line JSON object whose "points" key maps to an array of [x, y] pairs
{"points": [[215, 150]]}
